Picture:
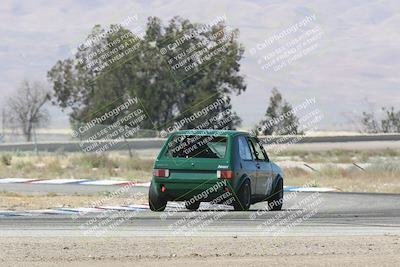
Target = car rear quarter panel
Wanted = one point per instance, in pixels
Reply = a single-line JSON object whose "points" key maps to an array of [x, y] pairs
{"points": [[240, 173]]}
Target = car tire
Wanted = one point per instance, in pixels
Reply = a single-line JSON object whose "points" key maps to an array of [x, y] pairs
{"points": [[243, 197], [276, 200], [192, 206], [156, 203]]}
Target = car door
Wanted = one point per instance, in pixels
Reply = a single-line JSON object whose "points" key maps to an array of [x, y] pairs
{"points": [[247, 162], [264, 169]]}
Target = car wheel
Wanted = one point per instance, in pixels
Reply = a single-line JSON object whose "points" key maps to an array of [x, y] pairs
{"points": [[156, 203], [243, 198], [192, 206], [276, 200]]}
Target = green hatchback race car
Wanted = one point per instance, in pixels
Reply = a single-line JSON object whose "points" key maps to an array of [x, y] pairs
{"points": [[217, 166]]}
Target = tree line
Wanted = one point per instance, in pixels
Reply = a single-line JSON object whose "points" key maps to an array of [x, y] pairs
{"points": [[146, 73]]}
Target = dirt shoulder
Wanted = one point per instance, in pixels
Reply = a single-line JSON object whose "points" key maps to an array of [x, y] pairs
{"points": [[201, 251]]}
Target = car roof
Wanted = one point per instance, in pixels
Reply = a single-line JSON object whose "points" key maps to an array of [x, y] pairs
{"points": [[211, 132]]}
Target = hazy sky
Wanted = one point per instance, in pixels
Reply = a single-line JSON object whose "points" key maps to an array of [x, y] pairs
{"points": [[355, 65]]}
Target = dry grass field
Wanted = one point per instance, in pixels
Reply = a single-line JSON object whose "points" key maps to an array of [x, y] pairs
{"points": [[382, 174]]}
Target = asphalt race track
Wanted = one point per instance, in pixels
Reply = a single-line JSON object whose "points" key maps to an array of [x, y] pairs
{"points": [[334, 214]]}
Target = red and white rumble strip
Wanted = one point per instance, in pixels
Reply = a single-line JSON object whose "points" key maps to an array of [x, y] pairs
{"points": [[71, 181]]}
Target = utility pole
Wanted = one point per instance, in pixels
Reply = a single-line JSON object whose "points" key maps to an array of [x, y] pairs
{"points": [[3, 120], [35, 140]]}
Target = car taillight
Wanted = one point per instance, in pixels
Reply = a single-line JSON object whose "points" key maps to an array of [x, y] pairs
{"points": [[161, 172], [224, 174]]}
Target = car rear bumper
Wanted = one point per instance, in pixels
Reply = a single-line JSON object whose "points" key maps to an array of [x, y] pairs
{"points": [[175, 190]]}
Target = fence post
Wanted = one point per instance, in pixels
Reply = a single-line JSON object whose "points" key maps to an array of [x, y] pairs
{"points": [[35, 140]]}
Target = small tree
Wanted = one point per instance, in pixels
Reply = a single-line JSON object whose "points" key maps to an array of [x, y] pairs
{"points": [[25, 108], [369, 122], [279, 117], [389, 124]]}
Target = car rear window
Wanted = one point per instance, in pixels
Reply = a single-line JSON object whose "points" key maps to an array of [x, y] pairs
{"points": [[197, 146]]}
